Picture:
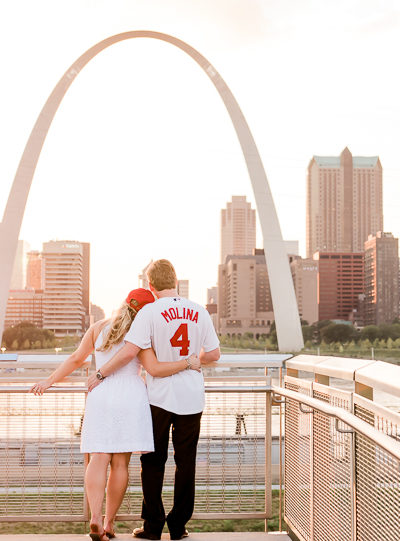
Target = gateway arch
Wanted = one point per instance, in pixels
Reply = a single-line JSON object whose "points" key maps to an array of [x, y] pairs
{"points": [[282, 290]]}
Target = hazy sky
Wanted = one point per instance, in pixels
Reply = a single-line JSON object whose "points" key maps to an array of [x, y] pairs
{"points": [[142, 155]]}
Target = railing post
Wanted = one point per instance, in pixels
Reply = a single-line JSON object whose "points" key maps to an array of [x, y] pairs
{"points": [[268, 450], [86, 460], [353, 473], [311, 474]]}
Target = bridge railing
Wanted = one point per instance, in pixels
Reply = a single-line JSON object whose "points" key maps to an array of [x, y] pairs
{"points": [[342, 450], [42, 469]]}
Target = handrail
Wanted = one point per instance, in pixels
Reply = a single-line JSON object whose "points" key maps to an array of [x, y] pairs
{"points": [[81, 389], [227, 360], [385, 442], [376, 375], [37, 365]]}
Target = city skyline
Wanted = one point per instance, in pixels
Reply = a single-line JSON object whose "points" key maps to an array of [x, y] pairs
{"points": [[108, 132]]}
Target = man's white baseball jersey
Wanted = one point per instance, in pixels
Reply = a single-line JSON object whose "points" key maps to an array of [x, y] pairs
{"points": [[175, 327]]}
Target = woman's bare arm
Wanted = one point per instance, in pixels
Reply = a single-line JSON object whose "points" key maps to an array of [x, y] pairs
{"points": [[73, 362]]}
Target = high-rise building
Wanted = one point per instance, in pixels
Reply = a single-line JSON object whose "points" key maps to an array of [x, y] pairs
{"points": [[143, 281], [238, 228], [64, 271], [18, 278], [24, 305], [86, 283], [244, 298], [34, 272], [340, 283], [344, 202], [305, 280], [212, 295], [183, 288], [212, 305], [96, 312], [292, 247], [381, 278]]}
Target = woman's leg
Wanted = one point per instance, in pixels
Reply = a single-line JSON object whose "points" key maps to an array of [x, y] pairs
{"points": [[116, 487], [95, 482]]}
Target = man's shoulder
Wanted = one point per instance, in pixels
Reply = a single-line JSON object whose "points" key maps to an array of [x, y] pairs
{"points": [[198, 306]]}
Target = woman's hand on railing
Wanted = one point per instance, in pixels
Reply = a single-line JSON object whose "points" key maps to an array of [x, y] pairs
{"points": [[40, 387]]}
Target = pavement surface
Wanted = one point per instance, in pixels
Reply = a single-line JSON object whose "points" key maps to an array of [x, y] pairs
{"points": [[216, 536]]}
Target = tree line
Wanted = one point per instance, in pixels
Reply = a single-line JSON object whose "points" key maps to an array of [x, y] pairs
{"points": [[323, 333], [25, 336]]}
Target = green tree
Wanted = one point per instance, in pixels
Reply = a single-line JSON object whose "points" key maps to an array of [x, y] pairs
{"points": [[370, 332], [337, 333], [308, 332], [26, 334]]}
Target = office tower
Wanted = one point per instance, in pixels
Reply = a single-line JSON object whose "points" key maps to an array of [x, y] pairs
{"points": [[18, 278], [64, 271], [24, 305], [34, 273], [238, 228], [305, 280], [212, 305], [340, 283], [86, 282], [381, 279], [96, 312], [143, 282], [344, 202], [183, 288], [244, 298], [292, 247], [212, 295]]}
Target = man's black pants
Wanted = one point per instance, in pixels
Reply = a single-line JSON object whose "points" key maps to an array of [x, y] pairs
{"points": [[185, 436]]}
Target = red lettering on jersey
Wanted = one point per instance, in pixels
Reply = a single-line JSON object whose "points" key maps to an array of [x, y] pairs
{"points": [[184, 313], [166, 316], [181, 339], [196, 318], [189, 314], [172, 313], [177, 314]]}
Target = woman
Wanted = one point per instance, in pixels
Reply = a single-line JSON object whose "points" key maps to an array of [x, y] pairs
{"points": [[117, 418]]}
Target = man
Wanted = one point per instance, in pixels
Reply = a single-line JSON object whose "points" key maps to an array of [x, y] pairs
{"points": [[175, 327]]}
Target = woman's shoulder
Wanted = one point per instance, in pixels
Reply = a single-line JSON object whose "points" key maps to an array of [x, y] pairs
{"points": [[97, 327]]}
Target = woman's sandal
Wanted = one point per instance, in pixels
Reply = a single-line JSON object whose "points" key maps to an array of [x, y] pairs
{"points": [[96, 535]]}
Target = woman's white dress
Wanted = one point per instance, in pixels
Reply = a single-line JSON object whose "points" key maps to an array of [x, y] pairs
{"points": [[117, 414]]}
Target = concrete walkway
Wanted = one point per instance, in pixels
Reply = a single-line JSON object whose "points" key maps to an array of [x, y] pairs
{"points": [[217, 536]]}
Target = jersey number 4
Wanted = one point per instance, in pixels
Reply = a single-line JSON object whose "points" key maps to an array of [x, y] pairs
{"points": [[181, 339]]}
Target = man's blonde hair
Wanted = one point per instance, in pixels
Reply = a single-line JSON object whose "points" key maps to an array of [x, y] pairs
{"points": [[161, 275]]}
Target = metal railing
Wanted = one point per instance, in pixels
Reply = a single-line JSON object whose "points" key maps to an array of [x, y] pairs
{"points": [[342, 451], [341, 459], [42, 469]]}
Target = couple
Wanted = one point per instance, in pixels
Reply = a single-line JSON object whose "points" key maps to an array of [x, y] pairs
{"points": [[118, 418]]}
